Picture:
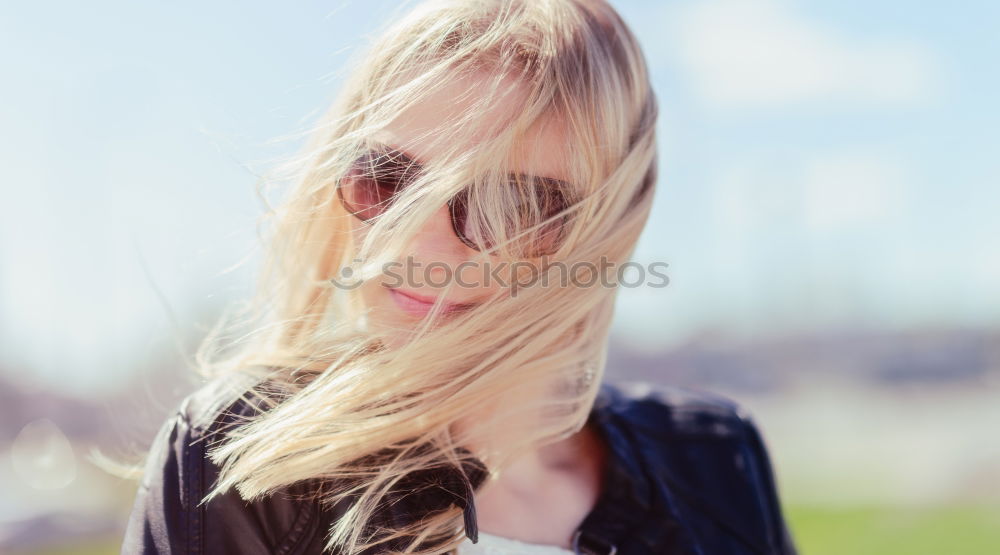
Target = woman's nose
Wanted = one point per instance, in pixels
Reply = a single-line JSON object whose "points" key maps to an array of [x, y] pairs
{"points": [[436, 247]]}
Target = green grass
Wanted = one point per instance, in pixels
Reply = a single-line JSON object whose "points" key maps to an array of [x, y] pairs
{"points": [[958, 530], [102, 546]]}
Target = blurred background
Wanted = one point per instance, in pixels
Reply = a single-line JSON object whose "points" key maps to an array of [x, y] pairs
{"points": [[827, 207]]}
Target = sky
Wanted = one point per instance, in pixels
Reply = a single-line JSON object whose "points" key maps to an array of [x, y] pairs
{"points": [[824, 165]]}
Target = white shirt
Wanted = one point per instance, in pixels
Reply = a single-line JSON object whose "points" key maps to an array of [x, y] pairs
{"points": [[489, 544]]}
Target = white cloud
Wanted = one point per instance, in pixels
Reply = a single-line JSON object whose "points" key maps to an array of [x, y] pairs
{"points": [[760, 52]]}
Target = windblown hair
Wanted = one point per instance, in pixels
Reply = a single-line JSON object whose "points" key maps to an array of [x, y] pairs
{"points": [[347, 391]]}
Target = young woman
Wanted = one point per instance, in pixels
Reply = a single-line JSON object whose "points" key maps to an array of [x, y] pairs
{"points": [[424, 371]]}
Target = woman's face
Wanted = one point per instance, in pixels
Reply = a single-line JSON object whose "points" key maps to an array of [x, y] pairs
{"points": [[401, 306]]}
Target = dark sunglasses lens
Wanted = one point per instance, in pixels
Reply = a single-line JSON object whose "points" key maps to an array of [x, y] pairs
{"points": [[370, 184], [546, 239], [459, 207]]}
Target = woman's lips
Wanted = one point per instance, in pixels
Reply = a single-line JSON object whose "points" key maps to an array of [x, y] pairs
{"points": [[419, 305]]}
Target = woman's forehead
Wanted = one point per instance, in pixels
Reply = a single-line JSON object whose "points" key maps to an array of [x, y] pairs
{"points": [[418, 132]]}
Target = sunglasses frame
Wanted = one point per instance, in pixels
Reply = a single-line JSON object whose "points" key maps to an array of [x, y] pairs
{"points": [[453, 202]]}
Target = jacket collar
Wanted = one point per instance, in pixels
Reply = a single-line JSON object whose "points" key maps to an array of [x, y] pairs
{"points": [[624, 482], [632, 488], [628, 488], [625, 489]]}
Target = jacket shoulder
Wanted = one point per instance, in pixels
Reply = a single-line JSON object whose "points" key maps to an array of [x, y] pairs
{"points": [[707, 451], [667, 411], [220, 402], [168, 513]]}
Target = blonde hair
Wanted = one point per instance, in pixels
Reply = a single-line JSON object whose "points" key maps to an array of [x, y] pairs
{"points": [[344, 395]]}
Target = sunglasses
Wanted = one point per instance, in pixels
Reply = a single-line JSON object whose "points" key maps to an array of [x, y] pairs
{"points": [[533, 203]]}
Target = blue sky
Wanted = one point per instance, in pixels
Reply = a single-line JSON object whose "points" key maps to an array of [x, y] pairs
{"points": [[825, 165]]}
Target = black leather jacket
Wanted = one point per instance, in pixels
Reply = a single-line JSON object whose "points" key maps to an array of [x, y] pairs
{"points": [[688, 473]]}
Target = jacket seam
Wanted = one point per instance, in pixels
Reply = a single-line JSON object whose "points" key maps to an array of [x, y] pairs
{"points": [[192, 487], [296, 533]]}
